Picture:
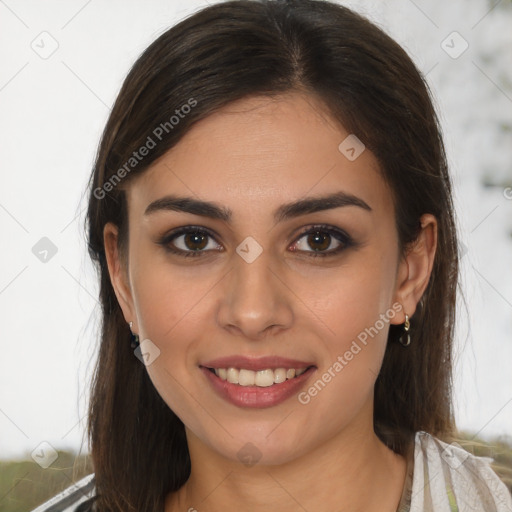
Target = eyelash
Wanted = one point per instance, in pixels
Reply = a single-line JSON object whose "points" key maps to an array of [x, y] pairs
{"points": [[338, 234]]}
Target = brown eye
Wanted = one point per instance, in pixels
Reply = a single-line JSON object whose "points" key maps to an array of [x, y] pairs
{"points": [[195, 241], [319, 241], [189, 242], [322, 241]]}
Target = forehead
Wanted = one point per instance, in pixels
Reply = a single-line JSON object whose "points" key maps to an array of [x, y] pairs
{"points": [[261, 152]]}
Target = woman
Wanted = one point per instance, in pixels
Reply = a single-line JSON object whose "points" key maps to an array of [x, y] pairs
{"points": [[272, 220]]}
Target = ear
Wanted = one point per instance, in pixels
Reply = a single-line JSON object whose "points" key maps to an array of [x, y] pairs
{"points": [[118, 273], [415, 268]]}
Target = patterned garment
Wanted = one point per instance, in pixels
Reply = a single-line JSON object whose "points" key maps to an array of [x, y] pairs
{"points": [[440, 478], [446, 478], [77, 498]]}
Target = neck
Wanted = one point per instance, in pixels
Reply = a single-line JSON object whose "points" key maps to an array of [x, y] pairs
{"points": [[338, 472]]}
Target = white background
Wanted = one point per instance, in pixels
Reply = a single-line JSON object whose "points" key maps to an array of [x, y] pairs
{"points": [[52, 112]]}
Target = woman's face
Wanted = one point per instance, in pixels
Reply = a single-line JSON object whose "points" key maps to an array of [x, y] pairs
{"points": [[257, 286]]}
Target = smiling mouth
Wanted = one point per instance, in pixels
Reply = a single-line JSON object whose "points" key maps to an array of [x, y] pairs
{"points": [[261, 378]]}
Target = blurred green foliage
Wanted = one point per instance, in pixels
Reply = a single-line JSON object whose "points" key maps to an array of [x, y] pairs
{"points": [[24, 484], [499, 449]]}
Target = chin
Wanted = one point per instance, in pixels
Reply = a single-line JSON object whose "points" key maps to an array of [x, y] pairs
{"points": [[265, 447]]}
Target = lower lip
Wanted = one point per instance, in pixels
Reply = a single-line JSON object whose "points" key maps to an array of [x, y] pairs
{"points": [[256, 396]]}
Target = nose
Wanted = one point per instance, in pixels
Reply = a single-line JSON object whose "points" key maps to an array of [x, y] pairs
{"points": [[255, 301]]}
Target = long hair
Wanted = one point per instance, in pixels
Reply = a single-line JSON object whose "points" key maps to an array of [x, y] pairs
{"points": [[220, 54]]}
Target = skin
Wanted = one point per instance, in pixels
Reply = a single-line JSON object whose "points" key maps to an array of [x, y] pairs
{"points": [[251, 157]]}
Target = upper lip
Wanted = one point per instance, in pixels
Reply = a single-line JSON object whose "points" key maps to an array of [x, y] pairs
{"points": [[256, 363]]}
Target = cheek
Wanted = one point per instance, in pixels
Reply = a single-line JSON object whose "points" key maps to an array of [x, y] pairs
{"points": [[352, 307], [168, 306], [349, 299], [167, 296], [358, 315], [172, 304]]}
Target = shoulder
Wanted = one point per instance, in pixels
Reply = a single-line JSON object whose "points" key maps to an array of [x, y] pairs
{"points": [[450, 478], [76, 498]]}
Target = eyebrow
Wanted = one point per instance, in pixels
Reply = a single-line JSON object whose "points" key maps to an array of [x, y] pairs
{"points": [[282, 213]]}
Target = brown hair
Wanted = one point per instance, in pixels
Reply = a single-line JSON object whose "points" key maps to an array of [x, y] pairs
{"points": [[223, 53]]}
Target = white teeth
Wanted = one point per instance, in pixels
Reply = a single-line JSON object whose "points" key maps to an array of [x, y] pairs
{"points": [[261, 378], [279, 375], [246, 378], [232, 375], [264, 378]]}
